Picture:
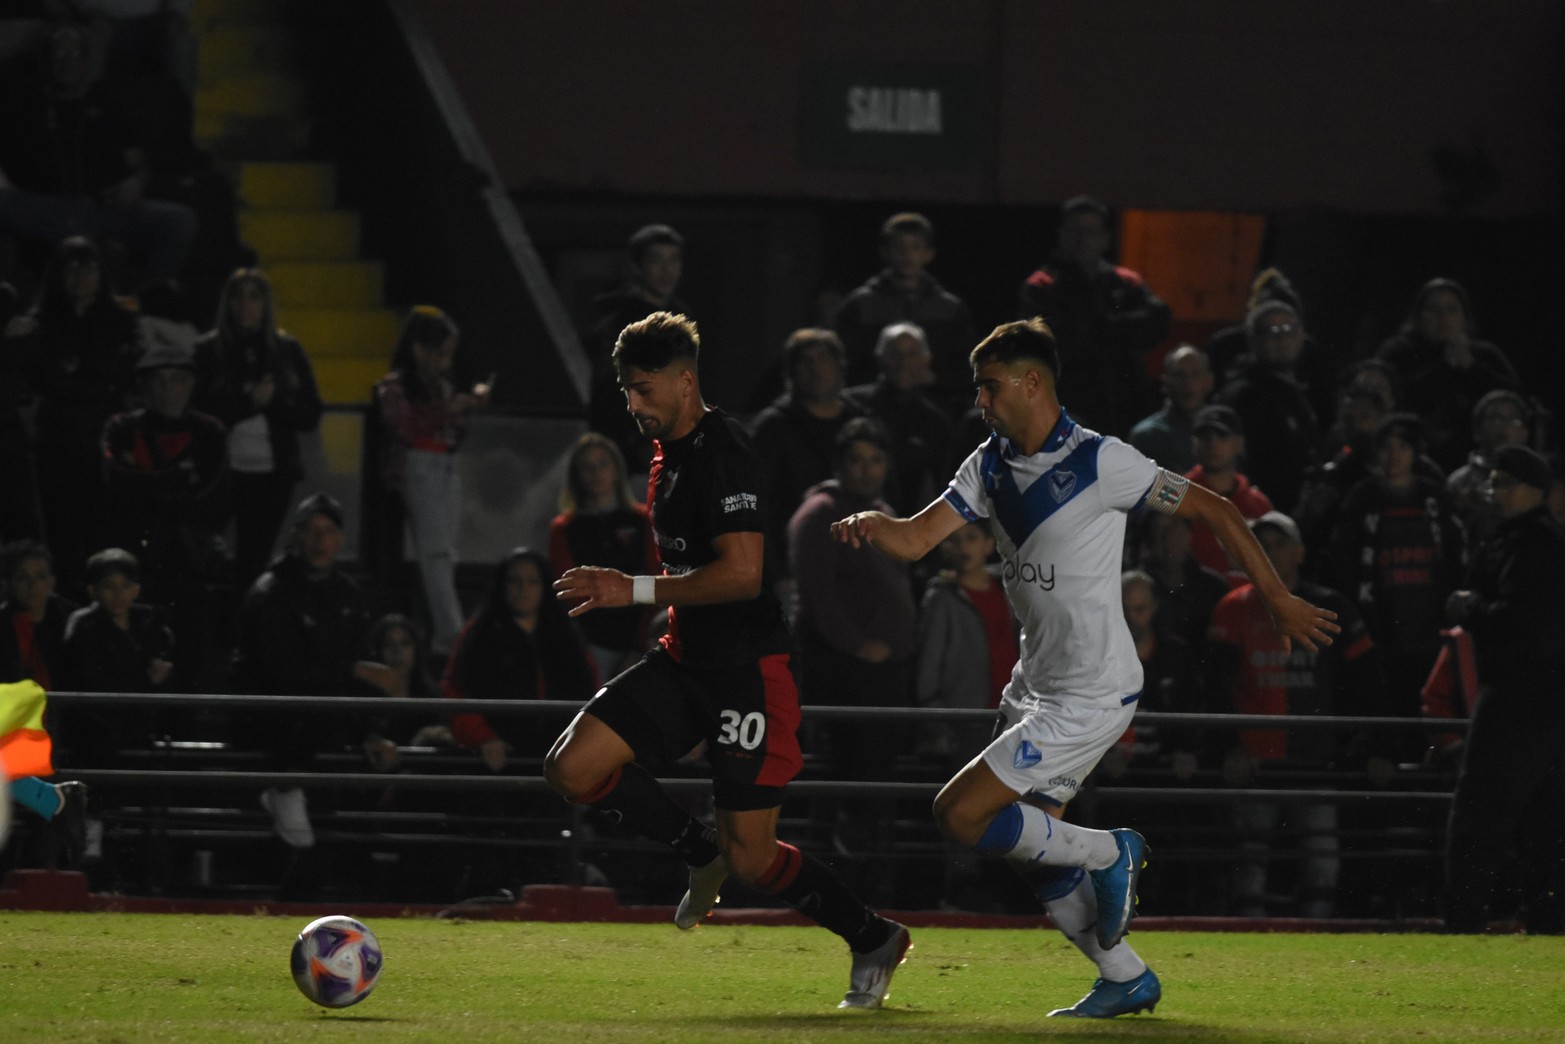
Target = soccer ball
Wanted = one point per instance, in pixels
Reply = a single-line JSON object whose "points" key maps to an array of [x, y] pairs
{"points": [[336, 961]]}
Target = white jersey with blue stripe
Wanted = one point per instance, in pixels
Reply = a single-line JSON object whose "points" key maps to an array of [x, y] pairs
{"points": [[1058, 518]]}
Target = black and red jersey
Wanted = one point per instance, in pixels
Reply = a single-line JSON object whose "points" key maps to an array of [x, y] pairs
{"points": [[702, 486]]}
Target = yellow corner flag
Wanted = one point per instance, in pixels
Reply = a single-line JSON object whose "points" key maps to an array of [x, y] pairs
{"points": [[24, 745]]}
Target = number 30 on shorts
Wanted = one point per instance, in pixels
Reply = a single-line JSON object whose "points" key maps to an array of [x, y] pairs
{"points": [[746, 730]]}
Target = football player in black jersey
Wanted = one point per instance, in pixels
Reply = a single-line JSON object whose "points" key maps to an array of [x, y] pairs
{"points": [[723, 675]]}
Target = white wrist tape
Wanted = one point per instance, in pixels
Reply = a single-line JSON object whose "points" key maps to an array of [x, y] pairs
{"points": [[643, 589]]}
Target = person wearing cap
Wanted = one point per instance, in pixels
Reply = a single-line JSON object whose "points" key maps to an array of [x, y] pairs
{"points": [[302, 629], [169, 497], [1283, 430], [1250, 669], [1508, 791], [1398, 550], [1218, 434], [1501, 418]]}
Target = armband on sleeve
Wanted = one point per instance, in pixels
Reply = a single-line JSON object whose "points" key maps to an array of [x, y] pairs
{"points": [[1167, 492]]}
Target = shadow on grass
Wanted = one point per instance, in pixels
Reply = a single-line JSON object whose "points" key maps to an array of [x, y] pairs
{"points": [[914, 1025]]}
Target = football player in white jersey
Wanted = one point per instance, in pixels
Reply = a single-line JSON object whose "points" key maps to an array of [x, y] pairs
{"points": [[1055, 495]]}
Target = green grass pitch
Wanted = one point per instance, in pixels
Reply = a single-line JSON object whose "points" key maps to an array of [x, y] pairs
{"points": [[132, 977]]}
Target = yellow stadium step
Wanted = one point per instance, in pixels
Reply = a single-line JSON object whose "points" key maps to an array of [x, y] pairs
{"points": [[241, 48], [343, 380], [254, 94], [288, 186], [342, 442], [342, 284], [364, 333], [302, 235]]}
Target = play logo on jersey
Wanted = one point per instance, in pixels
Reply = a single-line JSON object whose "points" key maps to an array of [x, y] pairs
{"points": [[1026, 755]]}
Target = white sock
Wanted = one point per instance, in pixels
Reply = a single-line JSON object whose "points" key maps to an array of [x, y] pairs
{"points": [[1046, 841], [1076, 916]]}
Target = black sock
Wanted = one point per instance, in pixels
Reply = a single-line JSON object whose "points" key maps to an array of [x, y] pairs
{"points": [[809, 886], [636, 800]]}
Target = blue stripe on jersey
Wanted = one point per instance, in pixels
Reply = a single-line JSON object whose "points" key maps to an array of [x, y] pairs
{"points": [[962, 508], [1020, 513]]}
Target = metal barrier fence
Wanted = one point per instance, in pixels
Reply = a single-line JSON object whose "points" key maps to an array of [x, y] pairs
{"points": [[1398, 827]]}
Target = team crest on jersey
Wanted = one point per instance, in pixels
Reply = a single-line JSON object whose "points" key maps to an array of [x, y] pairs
{"points": [[670, 477], [1026, 755], [1061, 485]]}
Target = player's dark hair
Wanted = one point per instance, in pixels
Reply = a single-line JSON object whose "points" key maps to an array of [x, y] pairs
{"points": [[807, 337], [648, 236], [113, 561], [656, 342], [910, 224], [1014, 341], [1405, 426], [860, 429]]}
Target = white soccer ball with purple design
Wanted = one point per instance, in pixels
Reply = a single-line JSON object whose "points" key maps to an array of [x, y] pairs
{"points": [[336, 961]]}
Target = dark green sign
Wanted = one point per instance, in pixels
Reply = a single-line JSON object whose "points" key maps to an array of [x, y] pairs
{"points": [[894, 116]]}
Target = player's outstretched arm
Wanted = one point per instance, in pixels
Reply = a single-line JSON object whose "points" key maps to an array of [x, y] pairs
{"points": [[1294, 618], [906, 538], [734, 576]]}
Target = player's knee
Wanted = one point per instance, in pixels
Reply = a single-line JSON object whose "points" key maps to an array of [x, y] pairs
{"points": [[571, 777], [956, 820], [749, 861]]}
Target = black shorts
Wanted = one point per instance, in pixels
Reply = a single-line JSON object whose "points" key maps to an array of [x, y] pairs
{"points": [[748, 715]]}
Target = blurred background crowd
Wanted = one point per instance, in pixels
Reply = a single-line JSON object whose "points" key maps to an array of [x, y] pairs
{"points": [[165, 529]]}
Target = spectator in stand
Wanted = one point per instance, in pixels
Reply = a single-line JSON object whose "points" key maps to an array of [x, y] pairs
{"points": [[1397, 552], [601, 524], [1171, 683], [520, 645], [77, 344], [1445, 369], [1283, 436], [257, 380], [857, 631], [1350, 454], [1252, 670], [166, 467], [966, 644], [425, 419], [19, 513], [396, 644], [1511, 772], [74, 159], [1501, 418], [1440, 326], [1104, 316], [301, 628], [920, 430], [115, 644], [33, 615], [903, 292], [1317, 367], [1187, 591], [1166, 435], [657, 262], [796, 435], [1219, 445]]}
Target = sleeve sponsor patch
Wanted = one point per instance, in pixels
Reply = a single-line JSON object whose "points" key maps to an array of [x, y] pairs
{"points": [[740, 502]]}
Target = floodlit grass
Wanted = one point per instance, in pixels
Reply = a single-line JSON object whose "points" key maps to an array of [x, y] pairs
{"points": [[131, 977]]}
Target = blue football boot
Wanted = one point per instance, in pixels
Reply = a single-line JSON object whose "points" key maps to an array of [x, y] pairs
{"points": [[1115, 887], [1108, 999]]}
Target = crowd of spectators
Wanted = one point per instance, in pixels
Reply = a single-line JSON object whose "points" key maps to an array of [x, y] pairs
{"points": [[149, 469]]}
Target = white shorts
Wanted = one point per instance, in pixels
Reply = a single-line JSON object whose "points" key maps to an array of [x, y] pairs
{"points": [[1051, 743]]}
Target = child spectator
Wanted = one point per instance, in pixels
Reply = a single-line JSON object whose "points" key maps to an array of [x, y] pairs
{"points": [[1219, 445]]}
